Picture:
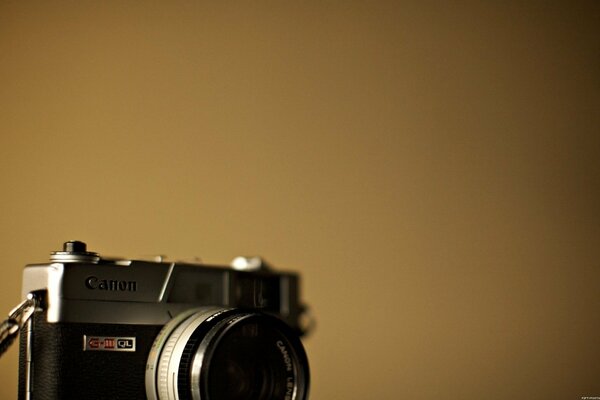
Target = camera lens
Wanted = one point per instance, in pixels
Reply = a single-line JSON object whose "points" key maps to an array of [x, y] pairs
{"points": [[251, 360], [227, 355]]}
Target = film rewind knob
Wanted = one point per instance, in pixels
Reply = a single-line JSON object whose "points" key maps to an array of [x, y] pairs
{"points": [[74, 251]]}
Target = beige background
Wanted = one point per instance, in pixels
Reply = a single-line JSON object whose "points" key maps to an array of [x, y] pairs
{"points": [[430, 167]]}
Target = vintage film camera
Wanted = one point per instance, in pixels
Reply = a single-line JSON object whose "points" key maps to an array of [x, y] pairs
{"points": [[126, 329]]}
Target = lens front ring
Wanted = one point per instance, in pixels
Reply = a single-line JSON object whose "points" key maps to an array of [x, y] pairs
{"points": [[208, 354], [166, 351]]}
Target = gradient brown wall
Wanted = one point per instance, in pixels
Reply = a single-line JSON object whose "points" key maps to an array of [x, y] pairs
{"points": [[430, 167]]}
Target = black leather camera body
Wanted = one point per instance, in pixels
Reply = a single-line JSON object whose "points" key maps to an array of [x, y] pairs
{"points": [[107, 328]]}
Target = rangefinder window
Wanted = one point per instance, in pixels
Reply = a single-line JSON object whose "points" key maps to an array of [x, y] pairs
{"points": [[258, 292]]}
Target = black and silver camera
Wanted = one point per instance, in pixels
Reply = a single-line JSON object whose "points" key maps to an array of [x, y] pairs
{"points": [[106, 328]]}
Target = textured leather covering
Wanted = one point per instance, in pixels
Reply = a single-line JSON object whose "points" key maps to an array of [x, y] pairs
{"points": [[62, 370]]}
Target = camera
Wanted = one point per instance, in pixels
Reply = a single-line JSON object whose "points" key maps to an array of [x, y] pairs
{"points": [[111, 328]]}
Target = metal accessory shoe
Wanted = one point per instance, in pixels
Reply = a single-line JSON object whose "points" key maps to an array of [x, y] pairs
{"points": [[9, 329]]}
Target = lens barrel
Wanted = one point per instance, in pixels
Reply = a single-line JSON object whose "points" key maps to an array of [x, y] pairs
{"points": [[211, 353]]}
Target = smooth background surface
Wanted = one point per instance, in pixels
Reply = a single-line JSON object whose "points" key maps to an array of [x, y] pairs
{"points": [[431, 168]]}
